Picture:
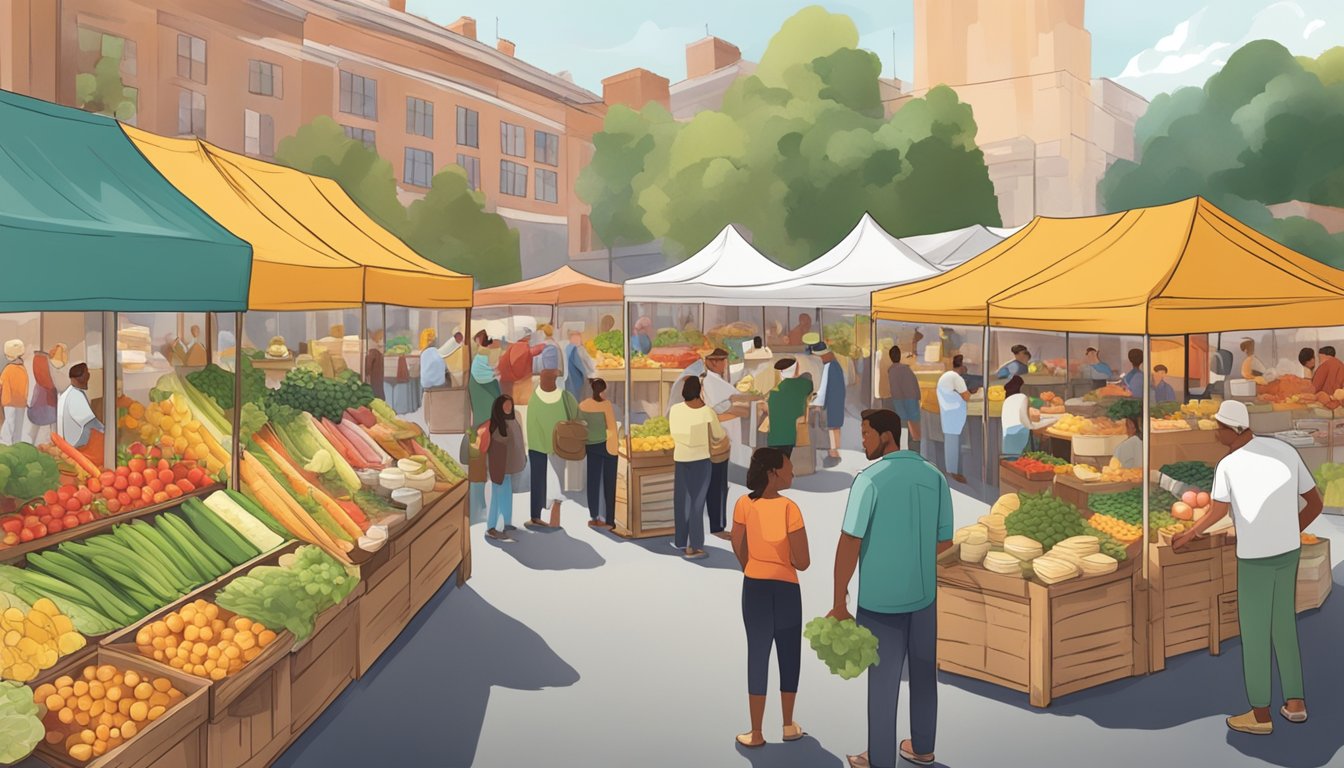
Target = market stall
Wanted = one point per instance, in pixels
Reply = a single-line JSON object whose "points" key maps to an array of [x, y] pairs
{"points": [[1202, 273]]}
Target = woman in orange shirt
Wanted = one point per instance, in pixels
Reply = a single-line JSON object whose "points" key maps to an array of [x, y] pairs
{"points": [[771, 544]]}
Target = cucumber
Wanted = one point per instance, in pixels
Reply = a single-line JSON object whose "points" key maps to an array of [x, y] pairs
{"points": [[239, 542], [142, 546], [110, 600], [218, 564], [144, 577], [179, 558], [233, 547], [189, 549]]}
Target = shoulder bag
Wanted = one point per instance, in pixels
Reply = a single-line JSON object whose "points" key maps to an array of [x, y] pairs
{"points": [[569, 441], [721, 449]]}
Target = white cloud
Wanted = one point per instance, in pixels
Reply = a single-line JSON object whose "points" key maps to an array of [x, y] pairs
{"points": [[1199, 46]]}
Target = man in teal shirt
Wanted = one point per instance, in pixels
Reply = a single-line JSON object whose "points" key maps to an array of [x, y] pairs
{"points": [[897, 521]]}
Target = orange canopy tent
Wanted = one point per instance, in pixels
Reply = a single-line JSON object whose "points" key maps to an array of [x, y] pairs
{"points": [[562, 287], [1183, 268]]}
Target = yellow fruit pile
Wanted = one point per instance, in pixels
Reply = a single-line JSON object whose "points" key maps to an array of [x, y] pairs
{"points": [[646, 444], [1117, 529], [170, 424], [606, 361], [199, 640], [1071, 424], [103, 708], [1200, 409], [35, 640], [640, 361]]}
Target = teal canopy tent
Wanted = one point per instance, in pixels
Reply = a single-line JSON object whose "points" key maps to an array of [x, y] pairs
{"points": [[87, 224]]}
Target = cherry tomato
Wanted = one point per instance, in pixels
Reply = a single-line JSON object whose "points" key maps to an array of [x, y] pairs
{"points": [[120, 483], [39, 531], [84, 495], [30, 520], [123, 471], [71, 521], [186, 486], [84, 516], [54, 526], [113, 507], [26, 535], [160, 497], [136, 478], [73, 504], [51, 497], [196, 476], [11, 525], [64, 492]]}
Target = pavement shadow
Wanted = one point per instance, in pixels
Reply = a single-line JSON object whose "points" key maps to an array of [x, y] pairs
{"points": [[431, 704], [1196, 686], [715, 557], [825, 481], [806, 752], [549, 549]]}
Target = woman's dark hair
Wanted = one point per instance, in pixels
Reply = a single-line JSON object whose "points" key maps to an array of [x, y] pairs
{"points": [[498, 420], [598, 386], [1134, 420], [1019, 349], [1013, 386], [1304, 355], [763, 462], [957, 361], [1136, 357], [895, 354], [690, 389]]}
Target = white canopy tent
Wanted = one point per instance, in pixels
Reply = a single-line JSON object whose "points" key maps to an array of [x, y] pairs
{"points": [[721, 272], [946, 250]]}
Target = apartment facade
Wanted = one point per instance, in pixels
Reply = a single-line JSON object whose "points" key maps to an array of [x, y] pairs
{"points": [[244, 74]]}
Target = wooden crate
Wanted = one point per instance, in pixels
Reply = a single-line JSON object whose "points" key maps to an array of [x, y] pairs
{"points": [[1185, 610], [644, 493], [323, 666], [436, 550], [1228, 624], [1015, 482], [1190, 445], [176, 740], [254, 728], [1076, 492], [1043, 640], [384, 610]]}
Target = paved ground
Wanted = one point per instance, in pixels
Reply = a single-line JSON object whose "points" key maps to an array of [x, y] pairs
{"points": [[574, 647]]}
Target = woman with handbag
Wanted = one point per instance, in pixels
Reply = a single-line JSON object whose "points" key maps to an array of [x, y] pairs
{"points": [[505, 457], [693, 426], [600, 416], [551, 420], [771, 545]]}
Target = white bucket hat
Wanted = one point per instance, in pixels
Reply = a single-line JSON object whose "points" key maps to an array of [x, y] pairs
{"points": [[14, 348], [1233, 413]]}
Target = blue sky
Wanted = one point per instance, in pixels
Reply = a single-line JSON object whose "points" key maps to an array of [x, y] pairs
{"points": [[1156, 45]]}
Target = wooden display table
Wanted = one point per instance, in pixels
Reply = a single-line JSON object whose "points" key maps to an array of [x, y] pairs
{"points": [[1043, 640], [1076, 492], [1011, 480], [644, 492]]}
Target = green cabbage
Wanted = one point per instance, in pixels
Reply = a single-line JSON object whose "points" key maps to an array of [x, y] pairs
{"points": [[20, 727], [846, 648]]}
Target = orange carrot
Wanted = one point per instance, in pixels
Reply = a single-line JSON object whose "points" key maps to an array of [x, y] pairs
{"points": [[80, 461]]}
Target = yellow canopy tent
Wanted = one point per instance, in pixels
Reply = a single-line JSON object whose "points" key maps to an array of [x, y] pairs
{"points": [[313, 248], [563, 286], [1182, 268]]}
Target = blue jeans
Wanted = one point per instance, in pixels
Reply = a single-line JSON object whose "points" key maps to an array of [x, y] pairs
{"points": [[501, 504], [601, 483], [691, 490], [952, 453], [477, 500], [902, 638]]}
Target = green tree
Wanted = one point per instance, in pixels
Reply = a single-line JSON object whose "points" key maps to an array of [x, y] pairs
{"points": [[449, 226], [98, 84], [796, 154], [1264, 130]]}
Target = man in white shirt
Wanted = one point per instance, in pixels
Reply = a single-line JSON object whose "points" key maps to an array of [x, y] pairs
{"points": [[75, 420], [952, 398], [1272, 498]]}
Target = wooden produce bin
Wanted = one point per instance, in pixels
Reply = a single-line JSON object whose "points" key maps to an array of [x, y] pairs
{"points": [[438, 547], [1012, 480], [644, 492], [1076, 492], [1185, 606], [323, 665], [175, 740], [1043, 640]]}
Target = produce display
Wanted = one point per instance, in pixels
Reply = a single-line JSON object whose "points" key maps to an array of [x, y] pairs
{"points": [[1193, 473], [1193, 506], [1330, 479], [1123, 409], [1113, 472], [102, 708], [644, 361], [671, 337], [846, 648], [674, 357], [199, 639], [1108, 391], [1071, 424], [1200, 409], [653, 435], [290, 594], [1127, 506], [33, 638], [399, 345], [217, 384], [1115, 528], [1028, 465], [608, 349], [20, 727], [1046, 458], [1051, 403], [1289, 392], [747, 385], [304, 388], [839, 337], [1046, 519]]}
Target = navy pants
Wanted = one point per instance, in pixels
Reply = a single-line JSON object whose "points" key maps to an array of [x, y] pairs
{"points": [[601, 483], [902, 637], [718, 496], [773, 614], [691, 489]]}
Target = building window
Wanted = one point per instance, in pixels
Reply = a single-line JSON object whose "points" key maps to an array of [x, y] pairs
{"points": [[419, 117], [472, 165], [191, 58], [547, 148], [258, 134], [512, 179], [419, 167], [363, 135], [263, 78], [359, 95], [512, 140], [190, 113], [547, 183], [468, 123]]}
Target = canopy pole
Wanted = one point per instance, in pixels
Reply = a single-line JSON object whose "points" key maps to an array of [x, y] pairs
{"points": [[364, 335], [629, 414], [984, 418], [874, 363], [109, 389], [1068, 380], [236, 455], [1147, 446]]}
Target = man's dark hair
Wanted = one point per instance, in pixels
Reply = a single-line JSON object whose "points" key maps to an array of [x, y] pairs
{"points": [[1019, 349], [784, 363], [718, 354], [1327, 350], [690, 389], [1305, 355], [895, 354], [958, 361], [1089, 350], [79, 371], [1159, 368], [1136, 357], [884, 421], [1013, 386]]}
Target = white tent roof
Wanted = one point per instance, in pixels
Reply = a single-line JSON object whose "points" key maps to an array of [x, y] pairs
{"points": [[946, 250], [867, 259], [725, 270]]}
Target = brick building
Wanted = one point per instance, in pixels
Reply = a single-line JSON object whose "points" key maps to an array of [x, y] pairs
{"points": [[244, 74]]}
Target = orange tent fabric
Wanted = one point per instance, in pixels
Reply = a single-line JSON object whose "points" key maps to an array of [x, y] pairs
{"points": [[1186, 267], [563, 286]]}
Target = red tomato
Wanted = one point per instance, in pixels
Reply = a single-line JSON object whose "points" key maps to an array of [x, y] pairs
{"points": [[11, 525], [73, 504], [84, 495], [173, 491], [67, 480], [160, 497], [84, 516], [155, 452], [55, 526], [124, 498], [108, 492], [64, 492], [180, 471], [107, 477], [163, 464], [95, 485], [113, 507], [120, 483], [71, 521], [39, 531], [186, 486], [165, 476], [136, 478], [26, 535], [196, 476], [136, 465], [147, 493], [51, 497], [123, 471], [29, 521]]}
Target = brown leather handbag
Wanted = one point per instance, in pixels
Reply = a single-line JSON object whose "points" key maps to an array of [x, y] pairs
{"points": [[569, 441], [719, 450]]}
